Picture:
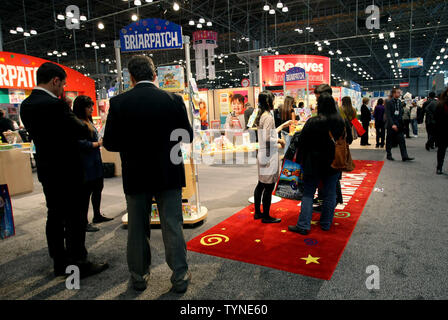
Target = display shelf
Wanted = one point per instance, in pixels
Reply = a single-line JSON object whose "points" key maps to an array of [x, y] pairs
{"points": [[195, 218]]}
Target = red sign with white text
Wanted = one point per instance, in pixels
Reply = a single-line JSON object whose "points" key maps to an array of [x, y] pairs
{"points": [[18, 71], [404, 84], [245, 83], [273, 69]]}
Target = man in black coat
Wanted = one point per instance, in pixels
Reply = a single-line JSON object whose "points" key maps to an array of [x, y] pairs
{"points": [[145, 125], [55, 131], [366, 116], [429, 108], [394, 126]]}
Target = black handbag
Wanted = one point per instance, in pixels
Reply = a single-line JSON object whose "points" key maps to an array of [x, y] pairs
{"points": [[108, 169]]}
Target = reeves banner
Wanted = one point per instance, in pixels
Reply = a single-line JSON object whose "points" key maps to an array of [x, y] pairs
{"points": [[151, 34], [273, 68]]}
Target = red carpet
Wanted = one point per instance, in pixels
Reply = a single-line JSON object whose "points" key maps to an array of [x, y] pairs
{"points": [[242, 238]]}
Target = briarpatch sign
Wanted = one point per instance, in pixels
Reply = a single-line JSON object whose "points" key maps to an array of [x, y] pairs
{"points": [[151, 34]]}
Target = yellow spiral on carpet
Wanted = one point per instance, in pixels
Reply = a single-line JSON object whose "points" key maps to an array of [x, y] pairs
{"points": [[214, 239]]}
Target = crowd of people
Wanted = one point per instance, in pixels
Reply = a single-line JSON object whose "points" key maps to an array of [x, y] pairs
{"points": [[69, 164]]}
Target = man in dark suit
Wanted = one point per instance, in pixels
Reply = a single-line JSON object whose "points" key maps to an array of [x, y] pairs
{"points": [[394, 126], [366, 116], [144, 125], [429, 108], [55, 131]]}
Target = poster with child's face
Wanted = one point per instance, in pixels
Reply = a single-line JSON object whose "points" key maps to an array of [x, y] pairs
{"points": [[237, 101]]}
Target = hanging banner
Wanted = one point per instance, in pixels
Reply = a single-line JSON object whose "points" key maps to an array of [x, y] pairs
{"points": [[151, 34], [410, 63], [171, 78], [295, 74], [273, 69], [355, 86]]}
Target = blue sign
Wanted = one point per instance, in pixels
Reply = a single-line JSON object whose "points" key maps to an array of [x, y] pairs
{"points": [[151, 34], [295, 74], [355, 86], [410, 63]]}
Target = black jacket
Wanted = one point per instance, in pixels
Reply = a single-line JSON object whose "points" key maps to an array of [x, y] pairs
{"points": [[394, 113], [366, 116], [91, 157], [55, 131], [5, 125], [139, 126], [429, 108], [315, 147], [441, 124]]}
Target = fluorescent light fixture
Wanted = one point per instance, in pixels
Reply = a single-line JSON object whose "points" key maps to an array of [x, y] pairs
{"points": [[60, 17], [394, 46], [438, 57], [70, 14], [87, 45], [442, 50], [285, 9], [385, 47], [100, 25], [340, 59], [348, 59], [396, 54], [26, 34], [191, 23], [134, 17], [50, 53], [392, 34], [75, 21], [13, 31], [83, 18], [266, 7], [331, 52], [349, 65], [199, 26], [320, 48], [19, 29], [279, 5], [388, 55], [103, 45], [137, 3], [96, 47], [93, 43], [272, 11], [355, 64], [338, 51], [390, 61], [176, 6], [201, 20], [209, 24], [55, 52]]}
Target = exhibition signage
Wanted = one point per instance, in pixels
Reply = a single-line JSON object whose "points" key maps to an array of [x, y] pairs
{"points": [[245, 83], [410, 63], [18, 71], [273, 69], [404, 84], [171, 78], [151, 34], [294, 74]]}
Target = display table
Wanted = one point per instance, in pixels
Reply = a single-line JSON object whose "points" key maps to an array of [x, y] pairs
{"points": [[112, 157], [15, 171]]}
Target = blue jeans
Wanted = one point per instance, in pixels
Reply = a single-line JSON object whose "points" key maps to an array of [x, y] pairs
{"points": [[287, 139], [414, 124], [329, 203]]}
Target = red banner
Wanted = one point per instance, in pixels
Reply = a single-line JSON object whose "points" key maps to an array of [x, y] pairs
{"points": [[404, 84], [205, 35], [18, 71], [273, 69]]}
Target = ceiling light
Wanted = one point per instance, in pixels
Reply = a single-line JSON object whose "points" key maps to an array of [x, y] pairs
{"points": [[388, 55], [103, 45], [13, 31], [191, 23], [59, 55], [385, 47], [442, 50], [394, 46], [49, 53], [338, 51], [355, 64], [438, 57], [199, 26], [75, 21], [340, 59], [392, 34], [272, 11], [349, 65], [279, 5], [19, 29], [331, 52], [348, 59], [93, 43], [285, 9], [26, 34], [60, 17], [381, 35], [70, 14], [209, 24], [96, 47], [266, 7], [201, 20], [390, 61], [55, 52], [87, 45], [134, 17], [83, 18], [100, 25], [176, 6], [396, 54], [137, 3], [320, 48], [441, 62], [64, 53], [148, 0]]}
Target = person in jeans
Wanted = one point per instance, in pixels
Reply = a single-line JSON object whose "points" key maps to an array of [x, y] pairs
{"points": [[160, 119], [394, 126], [429, 108], [316, 156], [366, 116], [378, 115], [414, 120], [441, 129], [267, 159], [91, 158], [406, 119]]}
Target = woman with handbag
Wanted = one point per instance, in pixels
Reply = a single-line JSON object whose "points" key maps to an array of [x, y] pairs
{"points": [[267, 159], [349, 113], [91, 158], [316, 146]]}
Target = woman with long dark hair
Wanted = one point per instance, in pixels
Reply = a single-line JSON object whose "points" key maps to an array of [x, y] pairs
{"points": [[316, 151], [267, 160], [287, 113], [441, 129], [93, 165]]}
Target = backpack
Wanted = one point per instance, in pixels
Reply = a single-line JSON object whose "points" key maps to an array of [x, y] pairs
{"points": [[342, 157]]}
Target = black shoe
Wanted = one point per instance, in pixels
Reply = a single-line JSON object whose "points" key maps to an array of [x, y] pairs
{"points": [[433, 147], [88, 269], [140, 285], [298, 230], [258, 216], [368, 144], [408, 159], [439, 171], [427, 147], [377, 146], [90, 228], [182, 286], [390, 158], [324, 229], [59, 268], [270, 219], [100, 218]]}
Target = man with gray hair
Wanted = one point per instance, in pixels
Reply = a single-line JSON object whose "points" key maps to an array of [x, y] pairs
{"points": [[157, 118]]}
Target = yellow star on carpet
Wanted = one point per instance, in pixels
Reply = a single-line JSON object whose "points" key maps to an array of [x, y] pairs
{"points": [[258, 240], [283, 231], [336, 224], [314, 222], [223, 229], [311, 259]]}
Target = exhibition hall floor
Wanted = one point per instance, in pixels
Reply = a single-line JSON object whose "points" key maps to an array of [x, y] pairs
{"points": [[402, 230]]}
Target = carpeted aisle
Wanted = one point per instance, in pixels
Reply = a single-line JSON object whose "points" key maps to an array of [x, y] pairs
{"points": [[242, 238]]}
